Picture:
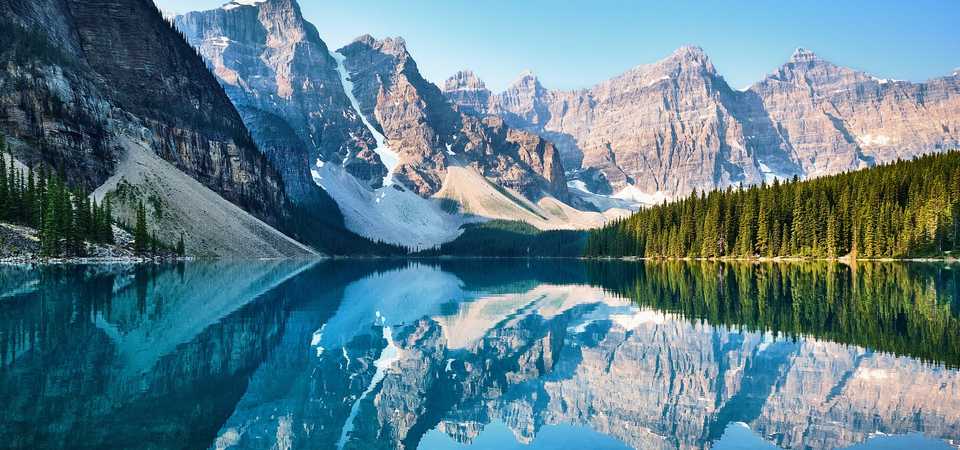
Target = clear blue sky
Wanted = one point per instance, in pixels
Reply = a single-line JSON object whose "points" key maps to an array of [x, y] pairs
{"points": [[573, 44]]}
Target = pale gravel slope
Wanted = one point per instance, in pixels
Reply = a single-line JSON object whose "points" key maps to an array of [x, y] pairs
{"points": [[211, 225], [481, 197]]}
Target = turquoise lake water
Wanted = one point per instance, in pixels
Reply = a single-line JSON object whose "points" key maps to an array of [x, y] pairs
{"points": [[492, 354]]}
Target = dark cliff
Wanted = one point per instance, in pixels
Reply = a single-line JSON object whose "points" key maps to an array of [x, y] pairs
{"points": [[80, 74]]}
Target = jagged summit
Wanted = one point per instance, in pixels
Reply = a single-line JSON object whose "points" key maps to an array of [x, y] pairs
{"points": [[689, 51], [464, 80], [803, 55], [526, 79], [365, 39]]}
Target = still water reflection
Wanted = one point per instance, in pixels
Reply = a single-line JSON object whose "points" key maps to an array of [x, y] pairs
{"points": [[469, 354]]}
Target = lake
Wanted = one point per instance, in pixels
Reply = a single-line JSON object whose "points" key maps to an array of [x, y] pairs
{"points": [[471, 354]]}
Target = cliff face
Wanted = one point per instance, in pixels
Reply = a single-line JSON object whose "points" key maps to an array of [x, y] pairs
{"points": [[429, 135], [280, 74], [80, 74], [675, 125], [833, 118]]}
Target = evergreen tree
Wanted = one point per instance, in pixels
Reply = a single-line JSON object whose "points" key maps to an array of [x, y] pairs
{"points": [[141, 238], [905, 208]]}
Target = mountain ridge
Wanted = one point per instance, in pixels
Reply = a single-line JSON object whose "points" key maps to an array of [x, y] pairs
{"points": [[418, 137], [747, 141]]}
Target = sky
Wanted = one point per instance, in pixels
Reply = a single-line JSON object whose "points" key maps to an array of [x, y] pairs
{"points": [[576, 44]]}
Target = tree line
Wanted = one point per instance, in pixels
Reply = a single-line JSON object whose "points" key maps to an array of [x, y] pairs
{"points": [[902, 209], [65, 218]]}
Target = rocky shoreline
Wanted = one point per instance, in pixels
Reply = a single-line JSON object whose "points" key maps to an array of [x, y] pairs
{"points": [[20, 245]]}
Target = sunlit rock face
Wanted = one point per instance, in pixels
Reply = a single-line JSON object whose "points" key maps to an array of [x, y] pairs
{"points": [[835, 118], [675, 125], [430, 135], [280, 74]]}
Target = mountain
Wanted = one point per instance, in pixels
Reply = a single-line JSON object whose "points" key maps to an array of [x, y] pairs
{"points": [[108, 94], [402, 163], [664, 129]]}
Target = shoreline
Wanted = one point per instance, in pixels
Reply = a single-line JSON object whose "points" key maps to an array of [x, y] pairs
{"points": [[13, 261], [93, 260]]}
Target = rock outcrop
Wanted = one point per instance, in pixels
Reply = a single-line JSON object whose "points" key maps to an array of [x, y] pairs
{"points": [[675, 125]]}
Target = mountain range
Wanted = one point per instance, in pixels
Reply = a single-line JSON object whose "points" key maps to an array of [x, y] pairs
{"points": [[288, 147], [665, 129]]}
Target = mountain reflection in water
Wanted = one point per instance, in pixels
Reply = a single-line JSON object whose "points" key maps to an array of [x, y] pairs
{"points": [[457, 354]]}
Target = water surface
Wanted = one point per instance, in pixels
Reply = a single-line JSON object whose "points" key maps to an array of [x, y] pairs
{"points": [[480, 355]]}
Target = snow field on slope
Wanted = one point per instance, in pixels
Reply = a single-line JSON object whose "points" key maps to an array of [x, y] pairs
{"points": [[390, 214], [387, 156]]}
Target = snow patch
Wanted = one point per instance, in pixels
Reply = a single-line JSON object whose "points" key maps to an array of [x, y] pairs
{"points": [[653, 82], [872, 374], [882, 81], [387, 156], [389, 214], [874, 139], [316, 338], [770, 175], [635, 194], [393, 298], [228, 439], [578, 185], [602, 202]]}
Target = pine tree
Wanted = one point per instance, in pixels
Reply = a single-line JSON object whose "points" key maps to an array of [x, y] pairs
{"points": [[141, 238], [50, 232], [107, 222], [746, 235], [900, 209], [831, 236], [4, 197]]}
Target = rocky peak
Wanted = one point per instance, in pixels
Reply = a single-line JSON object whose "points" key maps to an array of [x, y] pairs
{"points": [[468, 92], [464, 80], [690, 52], [429, 134], [801, 55], [527, 81], [393, 46], [128, 86], [281, 76], [524, 97], [688, 58]]}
